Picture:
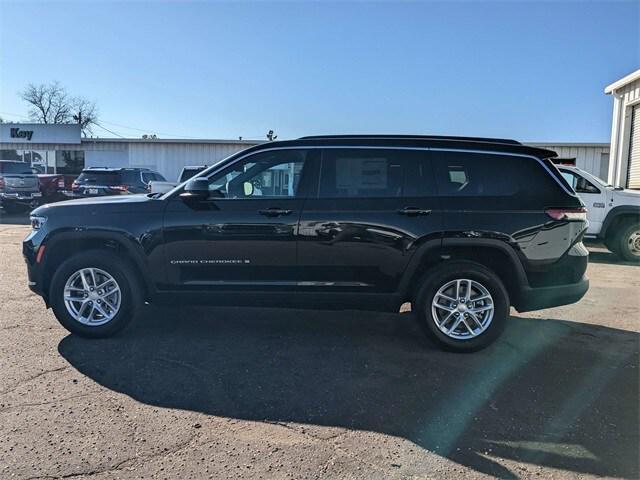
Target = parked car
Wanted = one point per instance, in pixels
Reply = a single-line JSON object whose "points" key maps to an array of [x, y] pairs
{"points": [[55, 186], [613, 213], [98, 182], [186, 174], [19, 190], [463, 228]]}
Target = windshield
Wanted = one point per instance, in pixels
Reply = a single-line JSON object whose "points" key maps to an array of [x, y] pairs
{"points": [[15, 168], [596, 179]]}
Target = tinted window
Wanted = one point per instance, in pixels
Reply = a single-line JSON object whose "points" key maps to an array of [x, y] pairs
{"points": [[374, 173], [159, 177], [15, 168], [100, 177], [148, 177], [132, 177], [477, 174], [187, 173], [263, 175]]}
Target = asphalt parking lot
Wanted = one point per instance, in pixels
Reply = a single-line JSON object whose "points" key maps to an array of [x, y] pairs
{"points": [[267, 393]]}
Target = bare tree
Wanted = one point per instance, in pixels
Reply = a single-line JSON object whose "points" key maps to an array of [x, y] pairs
{"points": [[85, 113], [52, 104]]}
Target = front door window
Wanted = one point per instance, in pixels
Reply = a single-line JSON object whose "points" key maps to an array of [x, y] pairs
{"points": [[261, 176]]}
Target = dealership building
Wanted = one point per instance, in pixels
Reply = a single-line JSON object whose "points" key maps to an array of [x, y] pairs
{"points": [[624, 170], [62, 149]]}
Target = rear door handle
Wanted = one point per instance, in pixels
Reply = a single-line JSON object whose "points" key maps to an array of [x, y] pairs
{"points": [[274, 212], [413, 211]]}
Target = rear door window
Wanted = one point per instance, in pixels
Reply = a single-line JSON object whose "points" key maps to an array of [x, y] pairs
{"points": [[372, 173]]}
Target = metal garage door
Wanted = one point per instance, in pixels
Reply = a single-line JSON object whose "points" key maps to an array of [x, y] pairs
{"points": [[633, 176]]}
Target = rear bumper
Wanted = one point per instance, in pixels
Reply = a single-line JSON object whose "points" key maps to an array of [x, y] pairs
{"points": [[537, 298], [25, 197]]}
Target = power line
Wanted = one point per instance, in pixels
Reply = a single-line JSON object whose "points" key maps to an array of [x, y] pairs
{"points": [[146, 130], [110, 131]]}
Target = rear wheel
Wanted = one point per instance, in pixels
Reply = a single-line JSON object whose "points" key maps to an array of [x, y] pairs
{"points": [[628, 245], [95, 294], [463, 306]]}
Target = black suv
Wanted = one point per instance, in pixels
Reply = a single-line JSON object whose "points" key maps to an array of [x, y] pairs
{"points": [[98, 182], [463, 228]]}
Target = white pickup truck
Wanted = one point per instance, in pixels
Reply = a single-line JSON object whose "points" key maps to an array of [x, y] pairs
{"points": [[186, 174], [613, 213]]}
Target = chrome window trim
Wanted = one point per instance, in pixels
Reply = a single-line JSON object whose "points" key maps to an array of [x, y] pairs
{"points": [[206, 174]]}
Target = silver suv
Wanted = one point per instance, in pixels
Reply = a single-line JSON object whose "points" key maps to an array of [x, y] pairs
{"points": [[19, 187]]}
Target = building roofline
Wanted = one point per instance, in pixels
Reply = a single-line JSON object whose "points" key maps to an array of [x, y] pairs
{"points": [[632, 77], [568, 144], [169, 140]]}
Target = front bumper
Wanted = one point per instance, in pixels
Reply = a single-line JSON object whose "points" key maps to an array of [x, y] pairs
{"points": [[537, 298], [30, 246]]}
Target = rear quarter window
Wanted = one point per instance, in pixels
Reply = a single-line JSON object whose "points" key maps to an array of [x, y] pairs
{"points": [[467, 174]]}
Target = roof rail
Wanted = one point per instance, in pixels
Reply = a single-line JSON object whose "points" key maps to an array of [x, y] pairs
{"points": [[416, 137]]}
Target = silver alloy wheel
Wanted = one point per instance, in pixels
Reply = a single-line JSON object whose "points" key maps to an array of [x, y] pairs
{"points": [[92, 296], [633, 243], [462, 309]]}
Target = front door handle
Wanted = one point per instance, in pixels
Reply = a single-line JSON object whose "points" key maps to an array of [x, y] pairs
{"points": [[413, 211], [274, 212]]}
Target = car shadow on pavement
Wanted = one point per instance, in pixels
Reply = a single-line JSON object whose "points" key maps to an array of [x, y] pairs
{"points": [[549, 392], [609, 258], [14, 218]]}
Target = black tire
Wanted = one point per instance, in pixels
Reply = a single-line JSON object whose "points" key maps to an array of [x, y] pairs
{"points": [[612, 245], [446, 273], [131, 292], [624, 248]]}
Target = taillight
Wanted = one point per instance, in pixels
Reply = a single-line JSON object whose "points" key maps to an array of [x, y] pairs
{"points": [[61, 182], [120, 188], [568, 214], [2, 182]]}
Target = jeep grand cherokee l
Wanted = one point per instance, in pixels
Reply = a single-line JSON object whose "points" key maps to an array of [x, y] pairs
{"points": [[464, 228]]}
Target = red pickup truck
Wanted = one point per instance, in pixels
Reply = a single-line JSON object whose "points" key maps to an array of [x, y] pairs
{"points": [[53, 186]]}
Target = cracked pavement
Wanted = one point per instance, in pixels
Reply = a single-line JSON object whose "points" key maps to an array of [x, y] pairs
{"points": [[199, 392]]}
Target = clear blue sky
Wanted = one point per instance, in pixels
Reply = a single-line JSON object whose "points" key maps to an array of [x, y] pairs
{"points": [[531, 71]]}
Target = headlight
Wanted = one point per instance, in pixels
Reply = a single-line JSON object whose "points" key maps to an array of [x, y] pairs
{"points": [[37, 222]]}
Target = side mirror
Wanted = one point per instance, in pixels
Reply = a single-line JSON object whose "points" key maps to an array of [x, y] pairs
{"points": [[248, 189], [196, 189]]}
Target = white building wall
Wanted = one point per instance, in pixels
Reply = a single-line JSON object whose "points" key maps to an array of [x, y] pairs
{"points": [[170, 158], [624, 98], [592, 157]]}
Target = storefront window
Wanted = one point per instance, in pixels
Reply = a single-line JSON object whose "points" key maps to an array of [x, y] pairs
{"points": [[69, 161]]}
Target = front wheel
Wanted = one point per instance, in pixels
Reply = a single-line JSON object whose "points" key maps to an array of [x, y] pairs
{"points": [[95, 294], [629, 243], [463, 306]]}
